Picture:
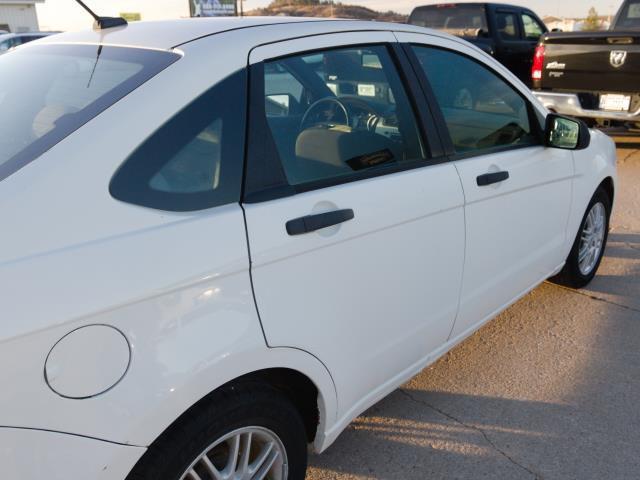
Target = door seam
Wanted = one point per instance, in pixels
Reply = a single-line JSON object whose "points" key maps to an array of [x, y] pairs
{"points": [[464, 253]]}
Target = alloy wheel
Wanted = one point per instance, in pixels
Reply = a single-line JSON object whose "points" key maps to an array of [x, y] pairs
{"points": [[250, 453], [592, 239]]}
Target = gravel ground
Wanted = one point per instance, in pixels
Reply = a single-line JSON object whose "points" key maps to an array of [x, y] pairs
{"points": [[549, 390]]}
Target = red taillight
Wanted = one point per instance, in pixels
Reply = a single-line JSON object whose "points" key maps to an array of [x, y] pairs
{"points": [[538, 63]]}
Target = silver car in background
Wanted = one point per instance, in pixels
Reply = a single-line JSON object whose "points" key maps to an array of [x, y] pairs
{"points": [[13, 40]]}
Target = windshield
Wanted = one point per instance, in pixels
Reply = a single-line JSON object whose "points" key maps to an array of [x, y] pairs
{"points": [[457, 19], [49, 91], [630, 16]]}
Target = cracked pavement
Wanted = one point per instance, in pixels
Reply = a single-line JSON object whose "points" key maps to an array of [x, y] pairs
{"points": [[547, 390]]}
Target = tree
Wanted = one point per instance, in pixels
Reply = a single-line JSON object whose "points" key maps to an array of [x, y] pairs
{"points": [[593, 21]]}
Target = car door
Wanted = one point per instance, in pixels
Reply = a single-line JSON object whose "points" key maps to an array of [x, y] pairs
{"points": [[517, 191], [374, 292]]}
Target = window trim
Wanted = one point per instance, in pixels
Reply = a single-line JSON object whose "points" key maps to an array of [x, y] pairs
{"points": [[453, 155], [265, 178]]}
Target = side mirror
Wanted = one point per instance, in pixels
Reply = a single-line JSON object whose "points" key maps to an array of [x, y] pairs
{"points": [[566, 133]]}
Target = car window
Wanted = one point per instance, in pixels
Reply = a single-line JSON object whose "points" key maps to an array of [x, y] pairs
{"points": [[507, 25], [342, 111], [195, 160], [532, 29], [481, 110], [49, 91]]}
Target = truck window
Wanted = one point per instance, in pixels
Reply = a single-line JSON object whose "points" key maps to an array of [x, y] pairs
{"points": [[630, 16], [459, 19], [532, 29], [507, 28]]}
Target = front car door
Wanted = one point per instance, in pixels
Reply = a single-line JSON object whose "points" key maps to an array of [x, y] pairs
{"points": [[336, 141], [517, 192]]}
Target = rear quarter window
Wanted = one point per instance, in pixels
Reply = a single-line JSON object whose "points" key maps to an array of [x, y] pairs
{"points": [[195, 160], [49, 91]]}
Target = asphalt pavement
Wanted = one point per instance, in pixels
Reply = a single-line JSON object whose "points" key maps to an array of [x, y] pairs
{"points": [[550, 389]]}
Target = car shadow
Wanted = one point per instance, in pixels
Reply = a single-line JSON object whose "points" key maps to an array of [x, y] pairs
{"points": [[626, 145], [618, 278], [547, 390]]}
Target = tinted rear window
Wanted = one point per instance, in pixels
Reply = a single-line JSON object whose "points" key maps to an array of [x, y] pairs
{"points": [[456, 19], [49, 91], [630, 16]]}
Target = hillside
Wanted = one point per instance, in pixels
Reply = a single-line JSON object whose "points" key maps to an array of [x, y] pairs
{"points": [[318, 8]]}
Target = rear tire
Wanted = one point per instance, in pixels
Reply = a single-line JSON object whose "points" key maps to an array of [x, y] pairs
{"points": [[251, 419], [589, 245]]}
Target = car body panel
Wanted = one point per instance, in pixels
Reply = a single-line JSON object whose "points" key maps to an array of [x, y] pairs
{"points": [[512, 242], [27, 454], [178, 285], [386, 248], [102, 261]]}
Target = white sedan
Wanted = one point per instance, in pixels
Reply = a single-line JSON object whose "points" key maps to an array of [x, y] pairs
{"points": [[223, 239]]}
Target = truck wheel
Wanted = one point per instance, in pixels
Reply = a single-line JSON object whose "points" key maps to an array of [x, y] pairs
{"points": [[588, 248], [241, 433]]}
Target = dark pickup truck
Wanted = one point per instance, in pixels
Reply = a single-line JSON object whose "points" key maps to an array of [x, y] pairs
{"points": [[507, 32], [593, 75]]}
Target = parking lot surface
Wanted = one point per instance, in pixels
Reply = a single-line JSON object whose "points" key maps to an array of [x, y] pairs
{"points": [[550, 389]]}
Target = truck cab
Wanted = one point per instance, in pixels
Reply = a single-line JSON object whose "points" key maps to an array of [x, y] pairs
{"points": [[510, 33]]}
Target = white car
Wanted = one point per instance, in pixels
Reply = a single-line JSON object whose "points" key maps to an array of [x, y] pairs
{"points": [[223, 239]]}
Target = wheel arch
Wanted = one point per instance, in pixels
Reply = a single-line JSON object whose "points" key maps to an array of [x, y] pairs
{"points": [[300, 376], [608, 186]]}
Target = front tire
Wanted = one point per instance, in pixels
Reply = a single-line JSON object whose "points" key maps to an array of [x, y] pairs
{"points": [[244, 432], [588, 248]]}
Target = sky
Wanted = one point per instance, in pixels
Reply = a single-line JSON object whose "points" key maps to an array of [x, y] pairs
{"points": [[68, 15]]}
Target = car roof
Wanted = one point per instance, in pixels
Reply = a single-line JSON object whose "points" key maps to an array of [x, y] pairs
{"points": [[167, 34]]}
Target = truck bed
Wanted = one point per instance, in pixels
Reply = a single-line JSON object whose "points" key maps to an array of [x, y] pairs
{"points": [[586, 62]]}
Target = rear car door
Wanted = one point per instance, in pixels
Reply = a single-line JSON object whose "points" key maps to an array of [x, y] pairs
{"points": [[336, 141], [518, 192]]}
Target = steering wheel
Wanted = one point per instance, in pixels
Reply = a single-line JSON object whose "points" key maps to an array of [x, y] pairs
{"points": [[314, 106], [372, 117]]}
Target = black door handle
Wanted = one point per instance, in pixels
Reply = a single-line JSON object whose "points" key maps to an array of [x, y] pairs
{"points": [[311, 223], [491, 178]]}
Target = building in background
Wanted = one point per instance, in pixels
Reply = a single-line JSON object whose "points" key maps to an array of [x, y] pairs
{"points": [[19, 16], [573, 24]]}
